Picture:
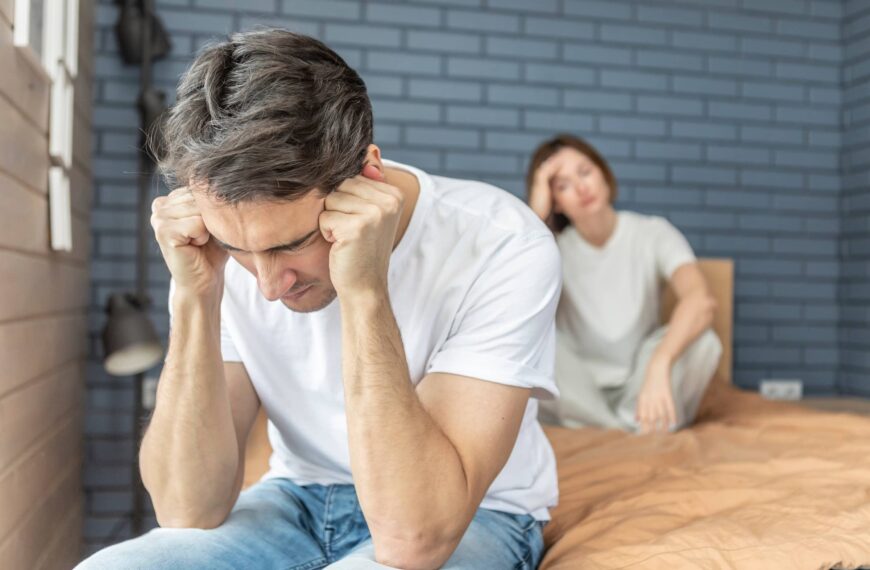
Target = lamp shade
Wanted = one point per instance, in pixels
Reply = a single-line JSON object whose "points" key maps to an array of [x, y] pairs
{"points": [[130, 343], [131, 21]]}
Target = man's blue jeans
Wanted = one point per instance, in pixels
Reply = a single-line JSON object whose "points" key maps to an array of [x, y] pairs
{"points": [[278, 524]]}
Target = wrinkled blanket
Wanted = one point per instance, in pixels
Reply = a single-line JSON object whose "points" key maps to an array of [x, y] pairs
{"points": [[753, 484]]}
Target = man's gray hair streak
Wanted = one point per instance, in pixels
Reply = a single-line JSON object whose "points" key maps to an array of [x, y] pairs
{"points": [[268, 114]]}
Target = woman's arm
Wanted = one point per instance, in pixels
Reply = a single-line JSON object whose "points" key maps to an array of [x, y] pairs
{"points": [[691, 317], [541, 195]]}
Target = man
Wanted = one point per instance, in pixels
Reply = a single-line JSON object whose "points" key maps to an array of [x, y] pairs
{"points": [[396, 326]]}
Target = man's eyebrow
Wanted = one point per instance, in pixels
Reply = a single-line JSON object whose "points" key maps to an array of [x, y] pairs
{"points": [[296, 244]]}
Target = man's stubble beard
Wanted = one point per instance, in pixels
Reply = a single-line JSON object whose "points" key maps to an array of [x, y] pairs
{"points": [[311, 304]]}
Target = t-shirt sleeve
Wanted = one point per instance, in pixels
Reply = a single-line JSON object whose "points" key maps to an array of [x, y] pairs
{"points": [[504, 330], [672, 250], [228, 348]]}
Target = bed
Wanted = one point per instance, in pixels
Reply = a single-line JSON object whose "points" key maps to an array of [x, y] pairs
{"points": [[753, 484]]}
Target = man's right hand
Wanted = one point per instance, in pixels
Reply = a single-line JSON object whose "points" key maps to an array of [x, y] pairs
{"points": [[195, 261], [541, 196]]}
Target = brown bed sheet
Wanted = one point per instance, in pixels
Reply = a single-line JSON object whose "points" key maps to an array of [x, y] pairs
{"points": [[753, 484]]}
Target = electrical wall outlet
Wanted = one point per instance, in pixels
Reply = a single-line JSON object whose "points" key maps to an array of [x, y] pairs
{"points": [[776, 389], [149, 392]]}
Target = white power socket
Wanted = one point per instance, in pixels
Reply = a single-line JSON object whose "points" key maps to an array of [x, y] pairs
{"points": [[776, 389]]}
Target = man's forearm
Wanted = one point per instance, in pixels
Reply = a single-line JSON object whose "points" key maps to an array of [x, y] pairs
{"points": [[409, 477], [189, 455]]}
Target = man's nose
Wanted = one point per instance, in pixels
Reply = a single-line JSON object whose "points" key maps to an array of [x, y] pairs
{"points": [[273, 280]]}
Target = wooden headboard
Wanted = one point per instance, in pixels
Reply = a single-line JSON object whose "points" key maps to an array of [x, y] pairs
{"points": [[720, 277]]}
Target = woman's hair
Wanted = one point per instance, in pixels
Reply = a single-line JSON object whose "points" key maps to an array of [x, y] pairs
{"points": [[558, 222], [268, 114]]}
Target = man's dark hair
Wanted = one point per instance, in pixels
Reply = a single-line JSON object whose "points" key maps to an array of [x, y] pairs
{"points": [[268, 114]]}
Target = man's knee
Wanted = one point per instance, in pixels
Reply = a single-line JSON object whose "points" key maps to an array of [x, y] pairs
{"points": [[159, 548], [131, 553], [363, 558], [356, 563]]}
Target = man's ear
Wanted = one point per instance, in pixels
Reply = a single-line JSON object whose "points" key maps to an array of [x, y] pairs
{"points": [[372, 166], [371, 171]]}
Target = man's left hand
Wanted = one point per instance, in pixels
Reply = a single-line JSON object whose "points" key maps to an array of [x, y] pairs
{"points": [[360, 219]]}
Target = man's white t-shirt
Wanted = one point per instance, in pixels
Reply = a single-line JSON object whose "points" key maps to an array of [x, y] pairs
{"points": [[474, 284], [611, 295]]}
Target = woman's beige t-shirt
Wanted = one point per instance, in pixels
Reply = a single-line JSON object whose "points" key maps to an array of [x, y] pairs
{"points": [[611, 295]]}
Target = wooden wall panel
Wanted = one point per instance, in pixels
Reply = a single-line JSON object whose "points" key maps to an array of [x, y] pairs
{"points": [[41, 286], [6, 8], [43, 319], [49, 457], [27, 229], [23, 149], [31, 90], [38, 490], [63, 551], [31, 411], [28, 542], [33, 347]]}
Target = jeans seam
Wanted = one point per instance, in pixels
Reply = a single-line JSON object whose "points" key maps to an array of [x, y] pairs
{"points": [[327, 527], [526, 561]]}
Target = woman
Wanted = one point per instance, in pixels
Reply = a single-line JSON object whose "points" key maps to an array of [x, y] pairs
{"points": [[616, 366]]}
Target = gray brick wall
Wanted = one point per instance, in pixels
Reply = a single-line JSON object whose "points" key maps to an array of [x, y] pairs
{"points": [[723, 115], [855, 283]]}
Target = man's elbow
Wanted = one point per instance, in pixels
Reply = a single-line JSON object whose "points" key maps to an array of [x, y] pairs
{"points": [[422, 551], [422, 558], [203, 521]]}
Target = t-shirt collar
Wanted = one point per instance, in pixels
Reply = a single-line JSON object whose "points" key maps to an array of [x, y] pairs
{"points": [[589, 249], [424, 200]]}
